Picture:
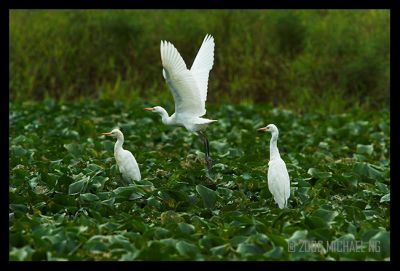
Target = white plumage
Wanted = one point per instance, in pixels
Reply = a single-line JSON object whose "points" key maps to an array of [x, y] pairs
{"points": [[125, 160], [188, 87], [278, 176]]}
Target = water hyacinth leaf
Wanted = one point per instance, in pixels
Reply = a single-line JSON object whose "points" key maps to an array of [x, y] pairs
{"points": [[136, 195], [98, 182], [97, 244], [219, 250], [230, 215], [93, 168], [187, 249], [16, 207], [108, 145], [208, 196], [275, 253], [126, 192], [74, 149], [18, 151], [21, 254], [380, 243], [326, 215], [368, 170], [186, 228], [161, 233], [367, 149], [298, 235], [77, 187], [220, 147], [88, 197], [109, 202], [385, 198], [319, 174], [153, 202], [130, 256], [249, 249], [314, 222]]}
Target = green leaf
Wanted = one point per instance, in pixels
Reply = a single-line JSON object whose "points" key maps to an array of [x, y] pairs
{"points": [[21, 254], [93, 168], [74, 149], [385, 198], [77, 187], [161, 233], [368, 149], [124, 191], [249, 249], [381, 244], [89, 197], [208, 196], [109, 202], [18, 151], [186, 249], [98, 182], [368, 170], [220, 250], [314, 222], [319, 174], [298, 236], [275, 253], [22, 208], [186, 228], [325, 215], [97, 243]]}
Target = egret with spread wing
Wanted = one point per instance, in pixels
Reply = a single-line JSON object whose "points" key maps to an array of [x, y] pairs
{"points": [[189, 89]]}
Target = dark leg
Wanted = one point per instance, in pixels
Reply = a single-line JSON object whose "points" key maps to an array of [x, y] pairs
{"points": [[207, 150]]}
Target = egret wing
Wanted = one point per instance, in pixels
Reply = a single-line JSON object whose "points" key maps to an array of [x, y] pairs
{"points": [[129, 166], [181, 82], [278, 182], [202, 65]]}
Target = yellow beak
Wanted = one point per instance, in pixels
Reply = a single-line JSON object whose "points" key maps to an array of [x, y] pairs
{"points": [[107, 134], [149, 108], [263, 129]]}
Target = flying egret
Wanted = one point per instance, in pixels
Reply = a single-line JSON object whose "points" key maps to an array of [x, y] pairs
{"points": [[278, 176], [189, 89], [125, 160]]}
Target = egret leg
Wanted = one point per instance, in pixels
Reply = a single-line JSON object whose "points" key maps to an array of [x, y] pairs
{"points": [[207, 150]]}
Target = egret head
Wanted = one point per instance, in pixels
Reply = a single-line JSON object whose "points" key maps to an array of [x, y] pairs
{"points": [[157, 109], [269, 128], [114, 133]]}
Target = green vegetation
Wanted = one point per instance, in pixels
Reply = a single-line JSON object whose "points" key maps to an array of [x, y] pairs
{"points": [[322, 76], [67, 200], [304, 59]]}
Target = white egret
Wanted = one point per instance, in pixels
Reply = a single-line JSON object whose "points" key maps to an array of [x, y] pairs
{"points": [[189, 89], [125, 160], [278, 176]]}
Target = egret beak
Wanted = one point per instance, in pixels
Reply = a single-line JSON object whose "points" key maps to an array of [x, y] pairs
{"points": [[263, 129], [107, 134], [149, 108]]}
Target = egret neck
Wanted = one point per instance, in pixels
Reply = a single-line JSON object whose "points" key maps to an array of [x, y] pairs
{"points": [[165, 118], [273, 148], [118, 144]]}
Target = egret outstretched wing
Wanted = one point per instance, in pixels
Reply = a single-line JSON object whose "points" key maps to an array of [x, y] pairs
{"points": [[181, 82], [202, 65]]}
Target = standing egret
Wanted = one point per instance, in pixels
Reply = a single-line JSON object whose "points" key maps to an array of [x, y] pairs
{"points": [[189, 89], [278, 176], [125, 160]]}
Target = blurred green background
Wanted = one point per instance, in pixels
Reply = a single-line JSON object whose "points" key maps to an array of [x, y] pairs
{"points": [[329, 60]]}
